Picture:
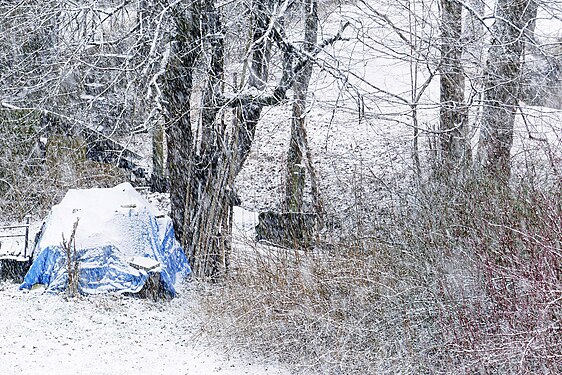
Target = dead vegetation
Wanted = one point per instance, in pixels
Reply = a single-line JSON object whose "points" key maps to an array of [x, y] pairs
{"points": [[72, 262], [465, 279]]}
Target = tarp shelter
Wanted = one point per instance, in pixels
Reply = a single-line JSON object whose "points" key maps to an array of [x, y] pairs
{"points": [[115, 225]]}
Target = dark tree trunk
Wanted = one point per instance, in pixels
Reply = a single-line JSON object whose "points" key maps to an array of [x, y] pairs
{"points": [[209, 204], [158, 179], [454, 147], [201, 182], [248, 114], [177, 89], [502, 85], [294, 189]]}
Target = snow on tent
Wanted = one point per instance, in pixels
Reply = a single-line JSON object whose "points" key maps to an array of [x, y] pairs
{"points": [[117, 230]]}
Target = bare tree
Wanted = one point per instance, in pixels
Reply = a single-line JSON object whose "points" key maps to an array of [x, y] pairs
{"points": [[202, 171], [299, 151], [502, 84], [71, 70], [454, 146]]}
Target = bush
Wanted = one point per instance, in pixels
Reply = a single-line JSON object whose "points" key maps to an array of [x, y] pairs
{"points": [[466, 280], [33, 177], [515, 326]]}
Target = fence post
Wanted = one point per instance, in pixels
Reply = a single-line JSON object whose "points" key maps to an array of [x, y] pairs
{"points": [[27, 220]]}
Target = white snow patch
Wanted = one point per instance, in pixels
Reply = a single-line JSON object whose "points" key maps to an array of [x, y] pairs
{"points": [[103, 216], [43, 333]]}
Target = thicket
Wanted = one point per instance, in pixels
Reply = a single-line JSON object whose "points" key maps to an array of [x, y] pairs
{"points": [[37, 169], [18, 158], [465, 278]]}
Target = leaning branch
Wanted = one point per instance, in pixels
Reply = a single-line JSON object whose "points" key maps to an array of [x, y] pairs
{"points": [[287, 80]]}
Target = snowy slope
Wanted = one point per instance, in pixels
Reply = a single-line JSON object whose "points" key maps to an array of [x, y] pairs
{"points": [[374, 152]]}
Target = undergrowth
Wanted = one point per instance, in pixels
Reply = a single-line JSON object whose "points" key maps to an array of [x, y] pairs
{"points": [[465, 279]]}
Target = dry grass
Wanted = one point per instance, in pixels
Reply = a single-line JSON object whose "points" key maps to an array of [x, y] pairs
{"points": [[465, 279]]}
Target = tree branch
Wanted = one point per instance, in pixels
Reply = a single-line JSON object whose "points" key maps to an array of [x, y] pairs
{"points": [[287, 80]]}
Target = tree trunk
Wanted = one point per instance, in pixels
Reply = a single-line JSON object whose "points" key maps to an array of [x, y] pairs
{"points": [[474, 31], [298, 144], [454, 147], [502, 85], [209, 185], [177, 89], [201, 182], [248, 115], [158, 181]]}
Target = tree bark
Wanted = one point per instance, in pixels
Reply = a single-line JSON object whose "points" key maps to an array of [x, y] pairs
{"points": [[177, 89], [454, 146], [159, 182], [209, 184], [158, 178], [249, 112], [298, 145], [502, 85], [201, 182]]}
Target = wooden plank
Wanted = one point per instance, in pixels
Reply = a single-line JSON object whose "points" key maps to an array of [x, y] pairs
{"points": [[11, 235], [144, 263]]}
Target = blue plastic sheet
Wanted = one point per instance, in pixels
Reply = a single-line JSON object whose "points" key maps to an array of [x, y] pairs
{"points": [[106, 268]]}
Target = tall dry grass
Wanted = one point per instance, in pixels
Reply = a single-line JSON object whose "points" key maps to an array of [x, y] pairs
{"points": [[462, 278]]}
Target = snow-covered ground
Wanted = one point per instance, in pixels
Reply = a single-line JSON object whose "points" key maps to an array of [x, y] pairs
{"points": [[41, 333], [117, 334]]}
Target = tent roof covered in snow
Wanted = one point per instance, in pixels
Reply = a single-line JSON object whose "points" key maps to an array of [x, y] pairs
{"points": [[115, 226]]}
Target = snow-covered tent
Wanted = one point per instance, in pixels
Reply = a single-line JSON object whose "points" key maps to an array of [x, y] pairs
{"points": [[117, 228]]}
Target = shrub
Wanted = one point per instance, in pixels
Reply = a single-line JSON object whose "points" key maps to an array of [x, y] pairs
{"points": [[464, 279]]}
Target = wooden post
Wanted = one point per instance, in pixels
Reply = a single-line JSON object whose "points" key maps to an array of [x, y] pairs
{"points": [[27, 220]]}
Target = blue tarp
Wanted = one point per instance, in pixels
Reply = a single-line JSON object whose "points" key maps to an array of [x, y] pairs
{"points": [[131, 232]]}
